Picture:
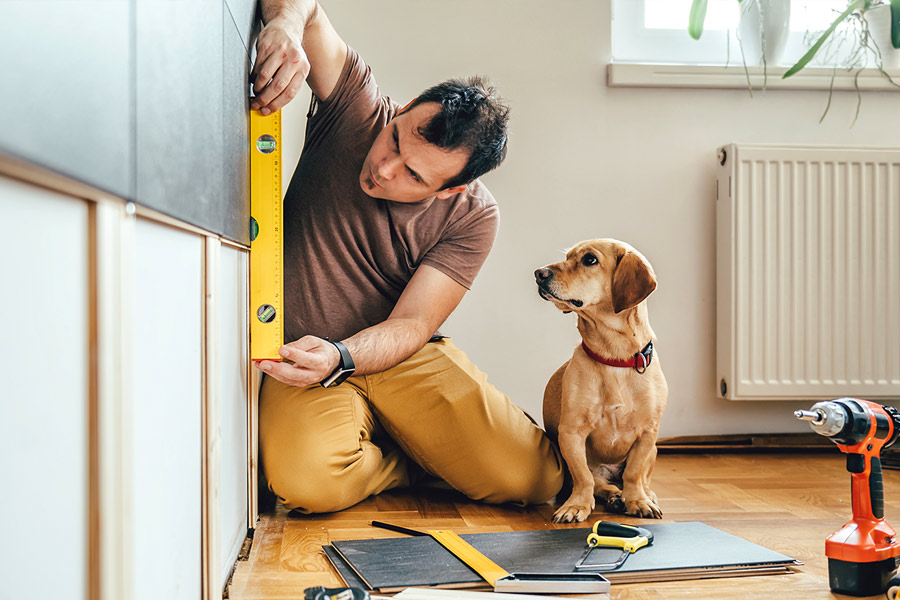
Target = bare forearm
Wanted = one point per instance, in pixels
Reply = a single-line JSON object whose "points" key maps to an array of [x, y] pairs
{"points": [[427, 301], [298, 12], [386, 344], [311, 359]]}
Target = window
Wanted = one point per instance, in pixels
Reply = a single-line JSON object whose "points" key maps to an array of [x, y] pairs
{"points": [[655, 31]]}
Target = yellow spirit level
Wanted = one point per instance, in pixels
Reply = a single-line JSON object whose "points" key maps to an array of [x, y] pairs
{"points": [[266, 238], [503, 581]]}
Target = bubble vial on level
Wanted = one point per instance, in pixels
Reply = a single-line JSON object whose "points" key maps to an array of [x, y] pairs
{"points": [[266, 313], [266, 144]]}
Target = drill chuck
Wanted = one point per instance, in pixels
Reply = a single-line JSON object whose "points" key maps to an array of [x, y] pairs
{"points": [[825, 418]]}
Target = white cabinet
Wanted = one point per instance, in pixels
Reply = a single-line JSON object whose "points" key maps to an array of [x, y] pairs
{"points": [[125, 437]]}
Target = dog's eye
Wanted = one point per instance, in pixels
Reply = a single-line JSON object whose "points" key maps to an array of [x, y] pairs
{"points": [[589, 260]]}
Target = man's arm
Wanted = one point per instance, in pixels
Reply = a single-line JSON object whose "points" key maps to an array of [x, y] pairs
{"points": [[297, 43], [426, 302]]}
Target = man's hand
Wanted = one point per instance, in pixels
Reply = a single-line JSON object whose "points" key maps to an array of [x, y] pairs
{"points": [[281, 66], [313, 360]]}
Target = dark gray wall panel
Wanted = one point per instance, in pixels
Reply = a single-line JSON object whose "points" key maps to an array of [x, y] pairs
{"points": [[243, 12], [236, 132], [179, 110], [67, 98], [144, 98]]}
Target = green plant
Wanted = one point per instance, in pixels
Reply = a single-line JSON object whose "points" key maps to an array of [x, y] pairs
{"points": [[856, 9], [862, 44], [698, 18]]}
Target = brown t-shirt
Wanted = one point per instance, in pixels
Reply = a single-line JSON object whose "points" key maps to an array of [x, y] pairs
{"points": [[348, 256]]}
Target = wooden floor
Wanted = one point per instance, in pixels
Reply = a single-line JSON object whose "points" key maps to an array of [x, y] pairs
{"points": [[787, 502]]}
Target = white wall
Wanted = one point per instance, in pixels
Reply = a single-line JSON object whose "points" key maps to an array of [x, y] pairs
{"points": [[590, 161]]}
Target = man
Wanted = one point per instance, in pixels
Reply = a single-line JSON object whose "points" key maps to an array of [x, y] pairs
{"points": [[386, 226]]}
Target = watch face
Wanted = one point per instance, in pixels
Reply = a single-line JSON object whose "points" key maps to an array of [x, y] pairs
{"points": [[337, 377]]}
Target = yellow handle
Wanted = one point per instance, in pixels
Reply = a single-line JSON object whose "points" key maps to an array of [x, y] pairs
{"points": [[631, 544]]}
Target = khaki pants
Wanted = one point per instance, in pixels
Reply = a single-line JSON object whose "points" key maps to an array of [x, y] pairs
{"points": [[327, 449]]}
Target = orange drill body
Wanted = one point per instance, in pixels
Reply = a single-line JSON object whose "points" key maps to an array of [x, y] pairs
{"points": [[864, 553]]}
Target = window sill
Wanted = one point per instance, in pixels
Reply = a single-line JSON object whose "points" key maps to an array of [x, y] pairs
{"points": [[732, 77]]}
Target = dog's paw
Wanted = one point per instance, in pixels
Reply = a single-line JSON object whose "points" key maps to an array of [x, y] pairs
{"points": [[615, 503], [573, 512], [645, 509]]}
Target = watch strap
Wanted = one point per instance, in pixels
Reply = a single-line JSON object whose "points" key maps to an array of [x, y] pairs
{"points": [[344, 369]]}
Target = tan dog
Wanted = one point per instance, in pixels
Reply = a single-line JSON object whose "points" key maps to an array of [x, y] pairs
{"points": [[604, 416]]}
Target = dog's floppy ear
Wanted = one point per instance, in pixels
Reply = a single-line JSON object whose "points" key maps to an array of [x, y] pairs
{"points": [[632, 281]]}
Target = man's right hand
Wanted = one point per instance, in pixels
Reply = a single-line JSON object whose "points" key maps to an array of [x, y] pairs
{"points": [[281, 65], [297, 43]]}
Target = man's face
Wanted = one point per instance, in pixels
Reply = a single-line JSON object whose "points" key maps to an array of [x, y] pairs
{"points": [[403, 167]]}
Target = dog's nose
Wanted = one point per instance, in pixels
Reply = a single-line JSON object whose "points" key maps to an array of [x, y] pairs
{"points": [[543, 274]]}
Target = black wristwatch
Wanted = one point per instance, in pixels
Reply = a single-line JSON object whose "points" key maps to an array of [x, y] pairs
{"points": [[344, 369]]}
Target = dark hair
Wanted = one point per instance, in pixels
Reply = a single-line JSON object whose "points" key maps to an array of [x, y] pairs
{"points": [[471, 117]]}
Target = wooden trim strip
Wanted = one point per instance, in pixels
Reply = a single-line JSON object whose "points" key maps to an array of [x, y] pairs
{"points": [[212, 586], [113, 251]]}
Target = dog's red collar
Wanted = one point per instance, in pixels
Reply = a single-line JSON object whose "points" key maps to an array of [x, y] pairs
{"points": [[639, 362]]}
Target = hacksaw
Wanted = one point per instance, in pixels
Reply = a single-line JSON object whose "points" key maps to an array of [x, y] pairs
{"points": [[266, 238]]}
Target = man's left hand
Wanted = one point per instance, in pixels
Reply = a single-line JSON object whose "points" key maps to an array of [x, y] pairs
{"points": [[313, 360]]}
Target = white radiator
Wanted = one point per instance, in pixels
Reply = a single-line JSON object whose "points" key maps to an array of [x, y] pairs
{"points": [[808, 272]]}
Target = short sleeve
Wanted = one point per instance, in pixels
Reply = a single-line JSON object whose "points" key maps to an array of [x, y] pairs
{"points": [[350, 106], [465, 246]]}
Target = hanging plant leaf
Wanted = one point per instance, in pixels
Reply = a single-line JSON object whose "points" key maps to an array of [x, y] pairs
{"points": [[895, 23], [855, 5], [698, 16]]}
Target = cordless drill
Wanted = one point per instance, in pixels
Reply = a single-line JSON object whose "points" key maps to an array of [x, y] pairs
{"points": [[864, 553]]}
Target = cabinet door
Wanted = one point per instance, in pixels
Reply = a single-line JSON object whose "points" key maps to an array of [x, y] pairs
{"points": [[232, 302], [44, 429], [167, 392]]}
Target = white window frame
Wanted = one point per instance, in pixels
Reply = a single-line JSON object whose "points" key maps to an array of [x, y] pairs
{"points": [[646, 57]]}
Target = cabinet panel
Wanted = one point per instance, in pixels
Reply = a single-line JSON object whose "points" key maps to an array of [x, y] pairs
{"points": [[231, 303], [67, 98], [44, 429], [167, 390]]}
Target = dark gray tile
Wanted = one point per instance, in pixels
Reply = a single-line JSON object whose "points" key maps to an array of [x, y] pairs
{"points": [[236, 133], [244, 15], [67, 99], [179, 110]]}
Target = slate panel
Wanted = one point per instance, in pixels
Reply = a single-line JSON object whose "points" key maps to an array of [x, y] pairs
{"points": [[67, 100], [236, 133], [179, 110]]}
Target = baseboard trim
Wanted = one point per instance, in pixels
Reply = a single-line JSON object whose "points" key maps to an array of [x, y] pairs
{"points": [[747, 442]]}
